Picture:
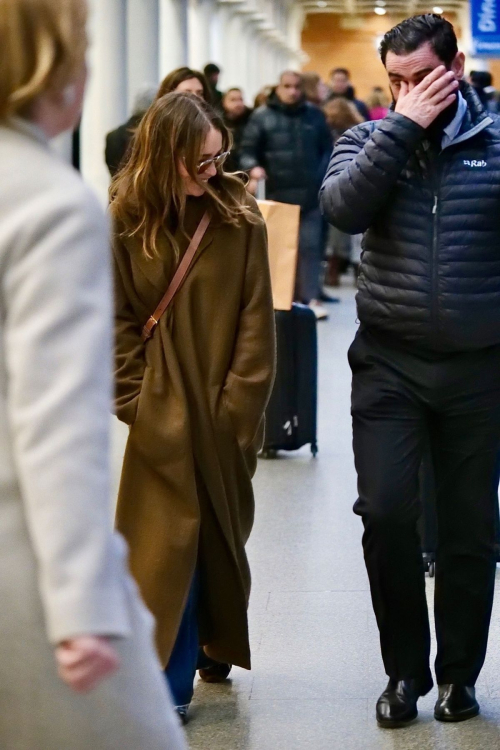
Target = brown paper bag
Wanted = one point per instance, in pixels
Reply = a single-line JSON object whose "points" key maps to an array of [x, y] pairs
{"points": [[282, 221]]}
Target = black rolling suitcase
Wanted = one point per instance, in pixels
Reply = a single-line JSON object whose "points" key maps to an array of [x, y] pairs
{"points": [[291, 417], [428, 519]]}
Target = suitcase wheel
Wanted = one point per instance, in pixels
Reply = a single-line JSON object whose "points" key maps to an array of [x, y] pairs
{"points": [[429, 564], [314, 450]]}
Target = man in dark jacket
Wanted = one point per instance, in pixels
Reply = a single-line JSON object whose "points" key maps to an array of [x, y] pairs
{"points": [[236, 117], [288, 143], [424, 184], [212, 74], [341, 86], [118, 141]]}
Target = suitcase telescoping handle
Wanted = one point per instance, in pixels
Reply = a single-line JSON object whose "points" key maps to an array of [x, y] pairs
{"points": [[261, 190]]}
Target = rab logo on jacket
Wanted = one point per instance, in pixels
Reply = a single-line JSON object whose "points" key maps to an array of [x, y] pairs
{"points": [[475, 164]]}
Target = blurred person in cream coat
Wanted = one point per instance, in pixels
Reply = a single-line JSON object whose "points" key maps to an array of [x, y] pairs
{"points": [[78, 669]]}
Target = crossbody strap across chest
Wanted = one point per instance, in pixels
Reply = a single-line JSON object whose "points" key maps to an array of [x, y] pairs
{"points": [[179, 278]]}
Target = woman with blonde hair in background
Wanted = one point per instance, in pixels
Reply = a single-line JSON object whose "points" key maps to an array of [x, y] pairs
{"points": [[315, 90], [193, 381], [262, 96], [68, 603], [378, 103], [341, 114]]}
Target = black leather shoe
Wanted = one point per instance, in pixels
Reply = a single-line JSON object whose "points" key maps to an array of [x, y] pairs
{"points": [[456, 703], [397, 706], [215, 673]]}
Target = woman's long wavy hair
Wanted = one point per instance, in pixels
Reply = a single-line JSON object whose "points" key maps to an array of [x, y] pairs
{"points": [[341, 114], [148, 196]]}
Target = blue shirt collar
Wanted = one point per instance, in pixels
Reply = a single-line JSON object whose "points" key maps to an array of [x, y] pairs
{"points": [[453, 129]]}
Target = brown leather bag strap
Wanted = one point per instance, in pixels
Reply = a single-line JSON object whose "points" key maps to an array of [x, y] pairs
{"points": [[179, 278]]}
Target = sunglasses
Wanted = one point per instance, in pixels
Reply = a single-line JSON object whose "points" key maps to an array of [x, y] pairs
{"points": [[217, 161]]}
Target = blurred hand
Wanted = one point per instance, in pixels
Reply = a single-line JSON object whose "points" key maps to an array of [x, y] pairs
{"points": [[431, 97], [258, 173], [252, 186], [83, 663]]}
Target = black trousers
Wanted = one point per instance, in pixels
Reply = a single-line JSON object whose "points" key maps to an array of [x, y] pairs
{"points": [[402, 399]]}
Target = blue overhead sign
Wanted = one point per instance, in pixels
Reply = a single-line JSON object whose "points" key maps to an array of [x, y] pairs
{"points": [[485, 27]]}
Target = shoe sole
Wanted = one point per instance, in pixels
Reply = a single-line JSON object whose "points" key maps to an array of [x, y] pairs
{"points": [[455, 720], [387, 724], [214, 679]]}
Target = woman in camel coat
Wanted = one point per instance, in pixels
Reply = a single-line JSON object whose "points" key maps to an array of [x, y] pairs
{"points": [[194, 395]]}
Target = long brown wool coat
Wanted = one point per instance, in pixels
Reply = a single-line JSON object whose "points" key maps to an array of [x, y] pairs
{"points": [[194, 397]]}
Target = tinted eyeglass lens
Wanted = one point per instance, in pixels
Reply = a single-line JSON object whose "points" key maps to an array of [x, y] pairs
{"points": [[218, 161], [203, 167]]}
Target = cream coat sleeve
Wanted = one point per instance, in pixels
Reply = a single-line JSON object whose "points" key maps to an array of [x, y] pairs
{"points": [[57, 304]]}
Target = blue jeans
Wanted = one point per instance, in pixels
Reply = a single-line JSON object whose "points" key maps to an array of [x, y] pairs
{"points": [[311, 246], [181, 669]]}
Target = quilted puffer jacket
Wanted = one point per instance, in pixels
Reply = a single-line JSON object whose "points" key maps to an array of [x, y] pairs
{"points": [[430, 272], [294, 145]]}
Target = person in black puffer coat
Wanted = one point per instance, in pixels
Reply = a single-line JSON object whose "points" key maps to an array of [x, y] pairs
{"points": [[424, 185], [236, 117], [288, 142]]}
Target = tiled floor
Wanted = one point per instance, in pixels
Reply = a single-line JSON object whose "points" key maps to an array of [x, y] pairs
{"points": [[316, 665]]}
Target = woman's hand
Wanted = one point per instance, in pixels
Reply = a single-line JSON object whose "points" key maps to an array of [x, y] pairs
{"points": [[258, 173], [84, 662], [252, 186]]}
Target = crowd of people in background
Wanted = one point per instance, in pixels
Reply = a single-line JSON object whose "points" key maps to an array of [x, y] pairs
{"points": [[283, 143]]}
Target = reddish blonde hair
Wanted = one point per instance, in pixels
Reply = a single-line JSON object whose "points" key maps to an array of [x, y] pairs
{"points": [[43, 45]]}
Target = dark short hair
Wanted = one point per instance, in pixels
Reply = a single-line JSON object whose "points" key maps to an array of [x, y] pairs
{"points": [[481, 78], [211, 69], [178, 76], [234, 88], [343, 71], [411, 34]]}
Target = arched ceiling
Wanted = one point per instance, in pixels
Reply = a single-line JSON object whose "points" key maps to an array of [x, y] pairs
{"points": [[398, 8]]}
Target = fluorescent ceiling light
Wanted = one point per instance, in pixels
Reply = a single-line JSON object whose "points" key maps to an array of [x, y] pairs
{"points": [[380, 3], [437, 10], [321, 4], [380, 11]]}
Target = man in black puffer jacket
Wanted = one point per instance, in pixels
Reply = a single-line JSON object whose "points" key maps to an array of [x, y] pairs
{"points": [[289, 143], [424, 184]]}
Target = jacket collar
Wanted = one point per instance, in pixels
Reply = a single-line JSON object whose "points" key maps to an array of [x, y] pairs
{"points": [[452, 130], [475, 120], [290, 109], [237, 121], [28, 128]]}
